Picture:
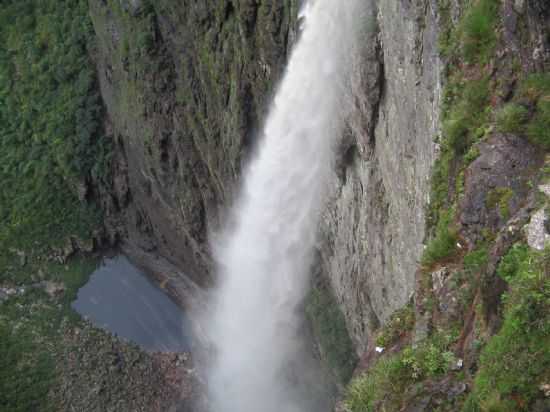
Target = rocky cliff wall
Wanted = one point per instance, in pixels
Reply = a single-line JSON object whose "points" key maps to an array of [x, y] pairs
{"points": [[374, 227], [185, 84]]}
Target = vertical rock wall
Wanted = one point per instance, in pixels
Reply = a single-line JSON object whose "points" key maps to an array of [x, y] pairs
{"points": [[184, 84], [374, 226]]}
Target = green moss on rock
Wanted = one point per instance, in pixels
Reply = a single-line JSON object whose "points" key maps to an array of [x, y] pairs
{"points": [[500, 198], [330, 329]]}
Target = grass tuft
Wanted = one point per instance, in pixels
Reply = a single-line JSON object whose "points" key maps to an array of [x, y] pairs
{"points": [[479, 31], [512, 118], [443, 245], [517, 360], [383, 386]]}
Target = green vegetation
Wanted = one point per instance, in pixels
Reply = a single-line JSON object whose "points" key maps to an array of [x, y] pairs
{"points": [[478, 31], [471, 155], [475, 38], [512, 118], [476, 260], [529, 112], [52, 147], [466, 121], [535, 91], [500, 198], [468, 114], [443, 245], [330, 328], [30, 326], [538, 130], [466, 105], [400, 323], [50, 129], [516, 361], [386, 382], [535, 87]]}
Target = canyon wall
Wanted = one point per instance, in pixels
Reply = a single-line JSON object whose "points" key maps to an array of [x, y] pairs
{"points": [[186, 86], [374, 227]]}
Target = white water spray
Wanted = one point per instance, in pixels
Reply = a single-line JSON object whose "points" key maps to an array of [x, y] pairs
{"points": [[264, 259]]}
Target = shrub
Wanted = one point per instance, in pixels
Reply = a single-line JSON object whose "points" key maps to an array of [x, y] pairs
{"points": [[443, 245], [512, 118], [517, 359], [388, 379], [478, 31], [538, 130], [401, 322], [476, 260], [510, 263], [466, 116], [472, 154], [534, 87]]}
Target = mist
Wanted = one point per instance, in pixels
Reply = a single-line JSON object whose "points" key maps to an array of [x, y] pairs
{"points": [[260, 357]]}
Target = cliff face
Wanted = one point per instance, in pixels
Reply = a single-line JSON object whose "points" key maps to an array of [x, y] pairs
{"points": [[185, 85], [443, 148], [374, 226]]}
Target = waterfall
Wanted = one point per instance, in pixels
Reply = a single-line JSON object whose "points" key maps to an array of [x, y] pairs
{"points": [[264, 258]]}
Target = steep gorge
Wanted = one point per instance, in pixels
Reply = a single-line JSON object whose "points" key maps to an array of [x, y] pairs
{"points": [[430, 282], [184, 111], [186, 87]]}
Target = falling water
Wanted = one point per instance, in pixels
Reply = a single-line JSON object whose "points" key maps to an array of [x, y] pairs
{"points": [[265, 256]]}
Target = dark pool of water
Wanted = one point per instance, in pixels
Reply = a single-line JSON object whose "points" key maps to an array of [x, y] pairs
{"points": [[120, 298]]}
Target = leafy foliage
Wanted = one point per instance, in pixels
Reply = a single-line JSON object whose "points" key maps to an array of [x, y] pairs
{"points": [[475, 260], [51, 141], [463, 122], [478, 31], [512, 118], [400, 323], [529, 113], [29, 331], [49, 121], [443, 245], [499, 197], [517, 360], [538, 129], [383, 385], [466, 116]]}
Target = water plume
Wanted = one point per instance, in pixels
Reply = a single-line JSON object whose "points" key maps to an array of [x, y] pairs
{"points": [[265, 256]]}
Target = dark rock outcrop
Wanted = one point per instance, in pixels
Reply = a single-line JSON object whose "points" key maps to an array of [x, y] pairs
{"points": [[496, 184], [185, 85]]}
